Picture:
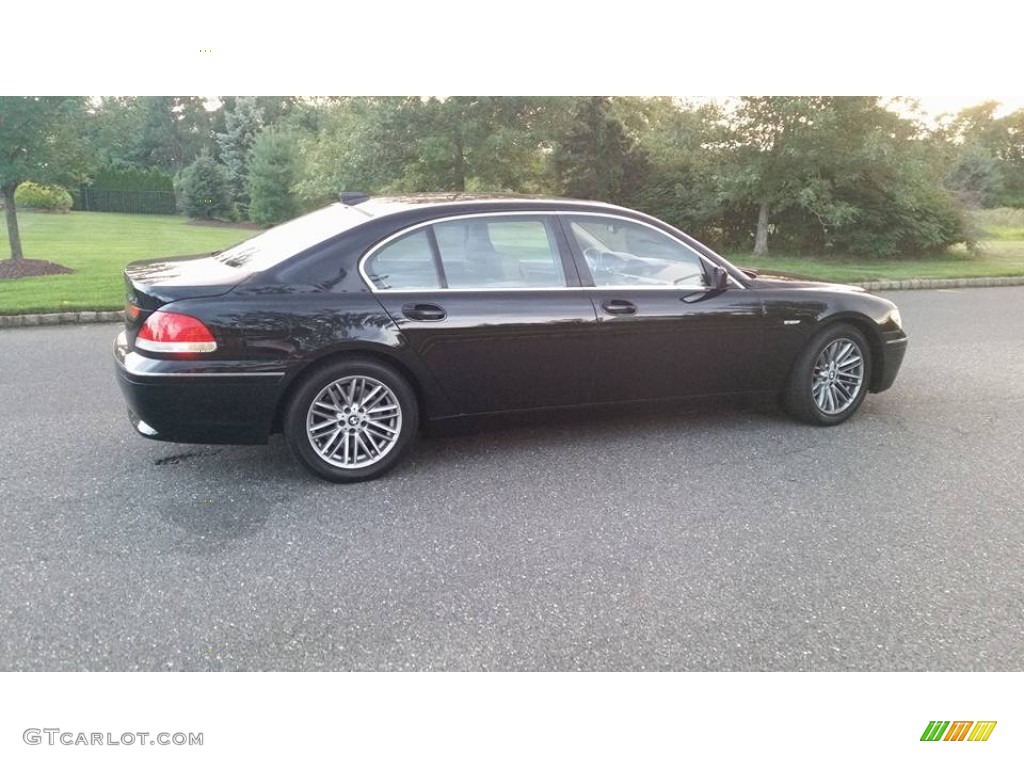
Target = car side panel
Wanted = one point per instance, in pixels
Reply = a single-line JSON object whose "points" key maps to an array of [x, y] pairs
{"points": [[502, 350], [677, 343]]}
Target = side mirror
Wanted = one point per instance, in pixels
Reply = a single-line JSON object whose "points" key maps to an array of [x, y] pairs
{"points": [[719, 278]]}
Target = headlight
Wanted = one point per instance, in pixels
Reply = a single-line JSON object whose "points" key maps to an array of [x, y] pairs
{"points": [[894, 316]]}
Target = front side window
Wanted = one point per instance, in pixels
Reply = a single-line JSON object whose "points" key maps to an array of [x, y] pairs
{"points": [[623, 253]]}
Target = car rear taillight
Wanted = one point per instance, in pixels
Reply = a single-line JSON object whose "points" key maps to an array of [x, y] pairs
{"points": [[131, 310], [173, 332]]}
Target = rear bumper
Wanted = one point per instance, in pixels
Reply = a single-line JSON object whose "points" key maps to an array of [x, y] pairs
{"points": [[894, 347], [184, 401]]}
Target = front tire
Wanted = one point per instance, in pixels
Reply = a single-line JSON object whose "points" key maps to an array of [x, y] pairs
{"points": [[351, 421], [830, 377]]}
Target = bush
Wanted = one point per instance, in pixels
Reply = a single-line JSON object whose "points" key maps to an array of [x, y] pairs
{"points": [[126, 179], [204, 189], [43, 197]]}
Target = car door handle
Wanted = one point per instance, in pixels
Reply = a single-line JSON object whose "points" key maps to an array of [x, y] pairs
{"points": [[618, 307], [427, 312]]}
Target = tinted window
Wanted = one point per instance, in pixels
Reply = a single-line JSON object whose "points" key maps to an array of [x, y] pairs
{"points": [[622, 253], [499, 252], [404, 264]]}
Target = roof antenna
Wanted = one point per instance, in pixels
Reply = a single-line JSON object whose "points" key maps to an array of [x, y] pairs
{"points": [[353, 198]]}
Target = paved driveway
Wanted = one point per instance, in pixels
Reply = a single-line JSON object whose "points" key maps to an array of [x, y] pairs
{"points": [[701, 539]]}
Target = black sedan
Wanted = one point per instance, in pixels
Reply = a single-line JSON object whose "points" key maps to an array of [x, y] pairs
{"points": [[348, 328]]}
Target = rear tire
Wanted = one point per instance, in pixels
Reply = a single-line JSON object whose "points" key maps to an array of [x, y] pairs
{"points": [[351, 421], [830, 377]]}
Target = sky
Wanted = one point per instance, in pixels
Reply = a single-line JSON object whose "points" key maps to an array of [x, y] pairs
{"points": [[947, 58]]}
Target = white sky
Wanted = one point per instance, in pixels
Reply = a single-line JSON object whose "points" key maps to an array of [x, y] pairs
{"points": [[947, 59]]}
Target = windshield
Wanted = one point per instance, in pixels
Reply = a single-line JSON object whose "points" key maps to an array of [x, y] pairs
{"points": [[285, 240]]}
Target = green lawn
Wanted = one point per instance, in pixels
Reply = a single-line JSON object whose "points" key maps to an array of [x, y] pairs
{"points": [[97, 246], [998, 258], [1001, 254]]}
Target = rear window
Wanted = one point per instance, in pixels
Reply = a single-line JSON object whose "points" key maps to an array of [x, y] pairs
{"points": [[285, 240]]}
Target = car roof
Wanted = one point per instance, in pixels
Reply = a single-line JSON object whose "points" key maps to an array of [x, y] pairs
{"points": [[465, 202]]}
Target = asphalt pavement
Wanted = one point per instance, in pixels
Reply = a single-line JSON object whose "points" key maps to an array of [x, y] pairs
{"points": [[721, 537]]}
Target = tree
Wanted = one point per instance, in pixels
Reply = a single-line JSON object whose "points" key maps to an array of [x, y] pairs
{"points": [[274, 168], [40, 140], [596, 160], [780, 144], [479, 144], [684, 146], [205, 190], [838, 174], [361, 144], [987, 165], [975, 177], [175, 131], [242, 125], [115, 128], [456, 144]]}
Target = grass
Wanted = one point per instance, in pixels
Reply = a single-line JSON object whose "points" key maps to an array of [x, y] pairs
{"points": [[97, 246], [998, 258], [1000, 223], [1000, 254]]}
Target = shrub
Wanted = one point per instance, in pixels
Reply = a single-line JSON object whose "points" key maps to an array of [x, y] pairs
{"points": [[204, 190], [127, 179], [43, 197]]}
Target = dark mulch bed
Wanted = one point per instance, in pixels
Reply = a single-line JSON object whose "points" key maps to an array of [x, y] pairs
{"points": [[12, 270]]}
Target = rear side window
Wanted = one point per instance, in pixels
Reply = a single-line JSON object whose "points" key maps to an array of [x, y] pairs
{"points": [[485, 252], [405, 264], [499, 252]]}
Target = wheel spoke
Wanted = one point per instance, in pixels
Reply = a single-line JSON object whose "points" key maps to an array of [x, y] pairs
{"points": [[327, 449], [380, 424], [334, 398], [375, 394], [319, 428], [325, 410], [373, 446], [841, 352]]}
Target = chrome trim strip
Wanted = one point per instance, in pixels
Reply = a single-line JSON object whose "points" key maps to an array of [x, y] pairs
{"points": [[172, 374], [187, 347], [680, 289], [422, 225], [203, 375]]}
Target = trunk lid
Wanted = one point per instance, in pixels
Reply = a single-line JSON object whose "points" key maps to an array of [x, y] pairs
{"points": [[153, 283]]}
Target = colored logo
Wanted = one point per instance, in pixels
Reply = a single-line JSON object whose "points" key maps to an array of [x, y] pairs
{"points": [[958, 730]]}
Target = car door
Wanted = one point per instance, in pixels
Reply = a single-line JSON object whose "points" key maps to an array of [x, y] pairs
{"points": [[662, 330], [493, 306]]}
